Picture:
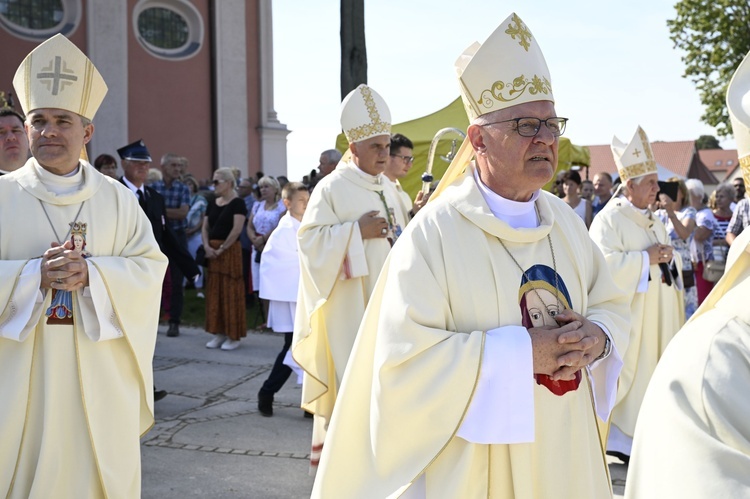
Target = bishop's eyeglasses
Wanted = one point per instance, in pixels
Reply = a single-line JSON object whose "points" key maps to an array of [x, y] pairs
{"points": [[529, 127]]}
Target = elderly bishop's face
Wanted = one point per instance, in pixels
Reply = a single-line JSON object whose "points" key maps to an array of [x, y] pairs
{"points": [[509, 164], [371, 154], [643, 193]]}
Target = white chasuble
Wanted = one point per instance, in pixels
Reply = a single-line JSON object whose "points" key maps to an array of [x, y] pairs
{"points": [[73, 408], [693, 433], [623, 233], [338, 270], [420, 351]]}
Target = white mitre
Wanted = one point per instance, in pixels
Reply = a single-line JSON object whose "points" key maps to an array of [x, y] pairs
{"points": [[738, 104], [56, 74], [635, 159], [508, 69], [364, 114]]}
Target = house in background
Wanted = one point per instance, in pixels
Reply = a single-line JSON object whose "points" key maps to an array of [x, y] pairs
{"points": [[681, 158], [190, 77], [723, 163]]}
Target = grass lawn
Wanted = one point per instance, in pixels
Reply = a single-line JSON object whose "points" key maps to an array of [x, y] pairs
{"points": [[194, 311]]}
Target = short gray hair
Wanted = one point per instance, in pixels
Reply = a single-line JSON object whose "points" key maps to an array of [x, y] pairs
{"points": [[331, 155], [170, 156], [695, 187]]}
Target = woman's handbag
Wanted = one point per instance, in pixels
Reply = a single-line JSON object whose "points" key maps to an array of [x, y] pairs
{"points": [[714, 269], [688, 278]]}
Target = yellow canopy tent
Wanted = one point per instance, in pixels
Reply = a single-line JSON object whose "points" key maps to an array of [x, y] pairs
{"points": [[421, 131]]}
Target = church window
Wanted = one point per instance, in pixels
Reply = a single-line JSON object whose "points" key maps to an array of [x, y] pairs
{"points": [[37, 20], [169, 29]]}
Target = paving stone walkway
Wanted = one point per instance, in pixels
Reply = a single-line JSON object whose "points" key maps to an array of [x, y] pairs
{"points": [[209, 440]]}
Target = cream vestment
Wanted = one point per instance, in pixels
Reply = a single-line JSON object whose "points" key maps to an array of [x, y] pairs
{"points": [[421, 357], [76, 398], [623, 233]]}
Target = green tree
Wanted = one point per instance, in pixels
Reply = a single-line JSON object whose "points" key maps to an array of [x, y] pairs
{"points": [[715, 36], [707, 142], [353, 47]]}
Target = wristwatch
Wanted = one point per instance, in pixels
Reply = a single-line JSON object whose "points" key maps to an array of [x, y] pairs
{"points": [[607, 349]]}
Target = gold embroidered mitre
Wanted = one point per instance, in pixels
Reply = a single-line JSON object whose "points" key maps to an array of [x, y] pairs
{"points": [[57, 74], [738, 104], [635, 159], [364, 114], [506, 70]]}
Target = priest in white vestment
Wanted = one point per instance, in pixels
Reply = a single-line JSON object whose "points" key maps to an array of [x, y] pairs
{"points": [[488, 356], [636, 246], [693, 433], [346, 233], [78, 317]]}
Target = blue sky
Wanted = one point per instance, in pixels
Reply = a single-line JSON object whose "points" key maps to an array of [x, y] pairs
{"points": [[613, 65]]}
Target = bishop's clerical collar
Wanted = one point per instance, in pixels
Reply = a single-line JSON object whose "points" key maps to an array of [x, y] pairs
{"points": [[373, 179], [60, 184], [516, 213], [645, 211]]}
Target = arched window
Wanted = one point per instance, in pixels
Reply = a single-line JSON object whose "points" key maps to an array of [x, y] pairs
{"points": [[37, 20], [169, 29]]}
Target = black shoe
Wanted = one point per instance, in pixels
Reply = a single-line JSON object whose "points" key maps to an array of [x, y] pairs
{"points": [[265, 404], [159, 394], [174, 330], [619, 455]]}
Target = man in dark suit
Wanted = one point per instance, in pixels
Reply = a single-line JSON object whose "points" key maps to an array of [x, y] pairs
{"points": [[135, 163]]}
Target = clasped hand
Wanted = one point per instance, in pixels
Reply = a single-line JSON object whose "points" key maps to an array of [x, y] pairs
{"points": [[63, 268], [659, 253], [562, 351]]}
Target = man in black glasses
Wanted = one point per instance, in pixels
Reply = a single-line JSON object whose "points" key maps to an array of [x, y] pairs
{"points": [[486, 359], [398, 165]]}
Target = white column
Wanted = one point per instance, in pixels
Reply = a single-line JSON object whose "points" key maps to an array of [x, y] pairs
{"points": [[231, 84], [272, 132], [107, 25]]}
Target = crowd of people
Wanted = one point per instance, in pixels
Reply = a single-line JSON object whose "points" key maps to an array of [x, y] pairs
{"points": [[488, 339]]}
